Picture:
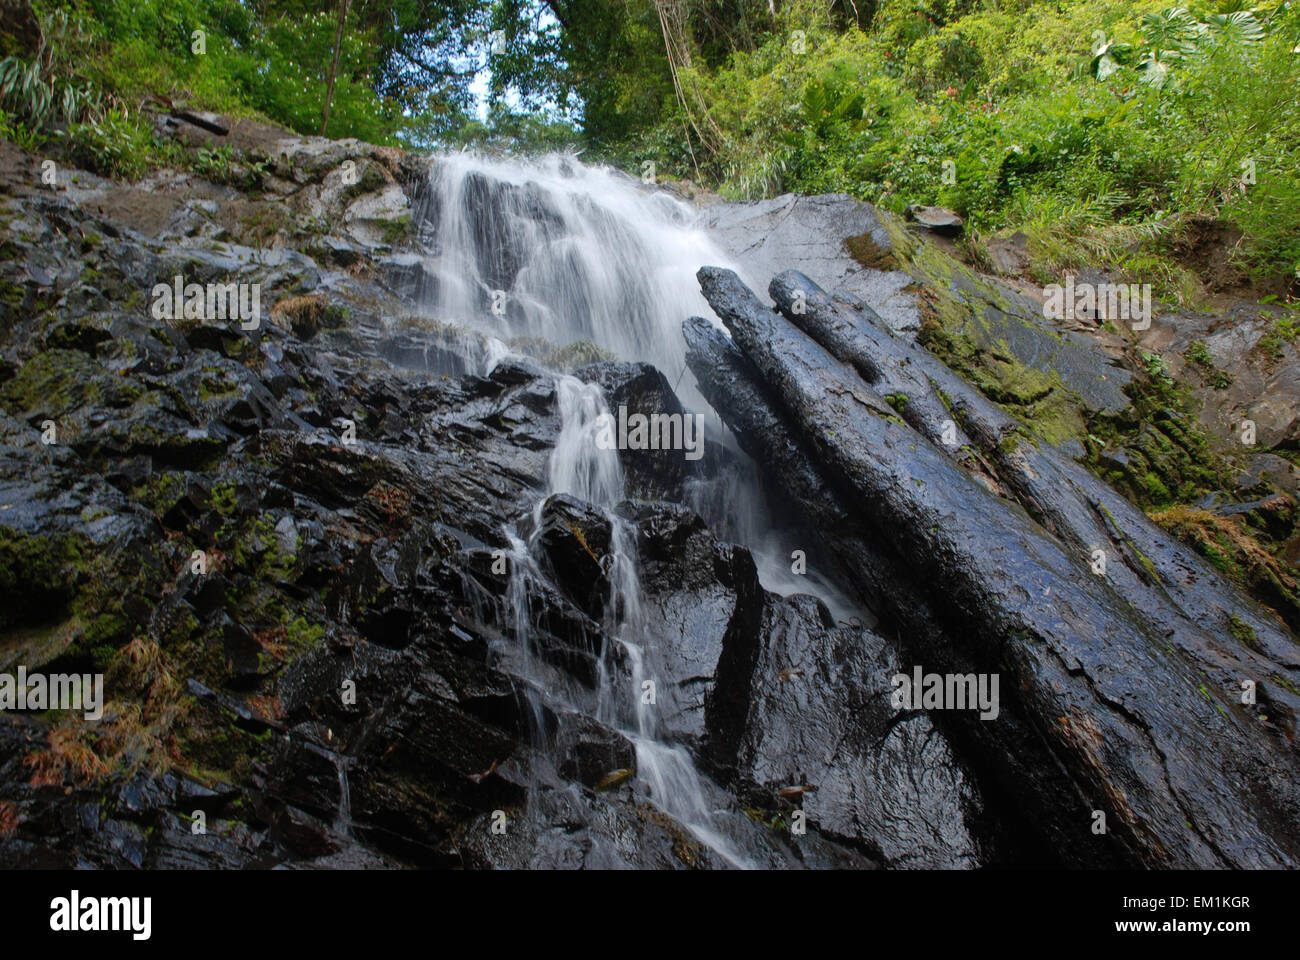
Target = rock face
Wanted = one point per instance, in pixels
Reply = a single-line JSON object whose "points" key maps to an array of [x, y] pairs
{"points": [[346, 618], [1191, 417], [834, 240], [286, 546], [818, 725], [1244, 370], [938, 220], [1089, 661]]}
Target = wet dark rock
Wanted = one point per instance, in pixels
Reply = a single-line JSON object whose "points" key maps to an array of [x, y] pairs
{"points": [[841, 243], [576, 540], [293, 552], [333, 638], [594, 832], [211, 122], [639, 388], [737, 656], [1107, 670], [736, 389], [408, 277], [592, 752], [700, 593], [1009, 255], [1174, 587], [820, 717]]}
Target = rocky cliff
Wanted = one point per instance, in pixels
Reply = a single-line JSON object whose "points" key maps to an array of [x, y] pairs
{"points": [[290, 547]]}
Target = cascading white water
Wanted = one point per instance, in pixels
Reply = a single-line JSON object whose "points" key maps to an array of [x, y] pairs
{"points": [[578, 466], [562, 252], [581, 468], [557, 250]]}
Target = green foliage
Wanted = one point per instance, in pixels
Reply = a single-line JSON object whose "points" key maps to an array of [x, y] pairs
{"points": [[293, 91], [1198, 354], [38, 100], [303, 634], [115, 146], [603, 61], [1284, 329], [401, 68], [37, 576], [18, 132], [214, 164], [1157, 369], [508, 130], [224, 498], [1098, 128], [833, 101]]}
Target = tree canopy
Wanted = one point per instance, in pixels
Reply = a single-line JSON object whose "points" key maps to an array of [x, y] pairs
{"points": [[1099, 128]]}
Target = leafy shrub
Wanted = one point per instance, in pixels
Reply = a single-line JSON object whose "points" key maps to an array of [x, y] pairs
{"points": [[38, 100], [1096, 127], [118, 145], [18, 132]]}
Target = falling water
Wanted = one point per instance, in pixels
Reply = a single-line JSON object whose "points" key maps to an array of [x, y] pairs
{"points": [[580, 468], [343, 820], [341, 762], [553, 250], [560, 251]]}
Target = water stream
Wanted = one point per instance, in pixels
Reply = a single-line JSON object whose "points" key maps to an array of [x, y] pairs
{"points": [[558, 251], [580, 468], [552, 249]]}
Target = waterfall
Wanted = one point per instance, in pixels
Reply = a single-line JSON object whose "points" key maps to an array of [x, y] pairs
{"points": [[553, 250], [343, 819], [580, 468], [564, 252], [558, 252]]}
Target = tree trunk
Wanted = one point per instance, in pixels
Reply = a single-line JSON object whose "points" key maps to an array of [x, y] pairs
{"points": [[334, 66]]}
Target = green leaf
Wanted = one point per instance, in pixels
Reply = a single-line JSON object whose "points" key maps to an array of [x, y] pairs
{"points": [[1241, 27], [1154, 72]]}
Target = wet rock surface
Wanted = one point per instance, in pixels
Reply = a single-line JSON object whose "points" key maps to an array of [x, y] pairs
{"points": [[286, 548], [937, 220], [345, 622], [814, 727], [1070, 644], [839, 243]]}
